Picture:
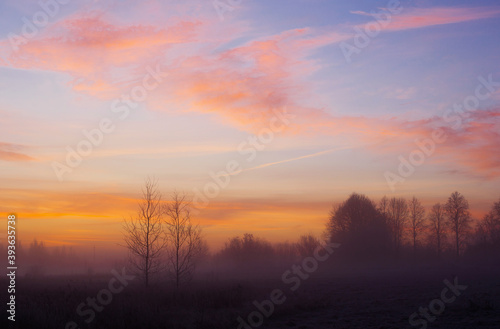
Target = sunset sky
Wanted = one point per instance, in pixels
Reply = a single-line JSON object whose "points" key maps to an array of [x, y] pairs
{"points": [[180, 89]]}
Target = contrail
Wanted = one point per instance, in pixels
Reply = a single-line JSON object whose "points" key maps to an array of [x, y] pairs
{"points": [[297, 158]]}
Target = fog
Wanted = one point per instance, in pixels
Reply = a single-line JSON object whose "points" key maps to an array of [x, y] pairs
{"points": [[376, 265]]}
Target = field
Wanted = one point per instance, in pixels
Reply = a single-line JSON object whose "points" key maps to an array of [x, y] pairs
{"points": [[354, 297]]}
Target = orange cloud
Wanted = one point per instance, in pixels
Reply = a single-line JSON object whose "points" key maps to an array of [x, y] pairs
{"points": [[471, 147], [10, 152], [89, 218], [242, 84], [475, 145], [97, 53], [41, 204]]}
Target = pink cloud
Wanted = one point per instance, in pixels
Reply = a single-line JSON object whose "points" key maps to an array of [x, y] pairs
{"points": [[96, 52], [473, 147], [243, 84], [476, 144], [11, 152], [424, 17]]}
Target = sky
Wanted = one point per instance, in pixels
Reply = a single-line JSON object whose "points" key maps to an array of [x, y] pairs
{"points": [[266, 112]]}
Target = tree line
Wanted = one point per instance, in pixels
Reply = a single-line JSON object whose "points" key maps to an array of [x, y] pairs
{"points": [[368, 229], [161, 238], [37, 257]]}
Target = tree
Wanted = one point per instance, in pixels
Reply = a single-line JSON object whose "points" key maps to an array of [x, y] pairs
{"points": [[37, 251], [286, 251], [489, 227], [437, 218], [246, 249], [307, 244], [144, 232], [38, 257], [359, 227], [417, 220], [397, 213], [184, 240], [457, 211], [383, 205]]}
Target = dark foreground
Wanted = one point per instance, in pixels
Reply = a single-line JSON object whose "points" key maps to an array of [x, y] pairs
{"points": [[331, 298]]}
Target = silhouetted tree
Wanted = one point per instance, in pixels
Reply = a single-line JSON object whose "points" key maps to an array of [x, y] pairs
{"points": [[38, 257], [397, 213], [437, 220], [37, 250], [417, 220], [457, 211], [383, 208], [184, 240], [144, 233], [488, 230], [359, 227], [249, 253], [247, 248], [383, 205], [286, 251], [307, 244]]}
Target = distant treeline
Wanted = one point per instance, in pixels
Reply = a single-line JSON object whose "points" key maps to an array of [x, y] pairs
{"points": [[37, 258], [392, 229], [385, 231], [398, 228]]}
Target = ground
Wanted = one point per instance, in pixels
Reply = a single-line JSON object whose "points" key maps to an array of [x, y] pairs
{"points": [[352, 297]]}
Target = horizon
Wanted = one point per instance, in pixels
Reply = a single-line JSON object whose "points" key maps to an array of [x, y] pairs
{"points": [[266, 120], [114, 244]]}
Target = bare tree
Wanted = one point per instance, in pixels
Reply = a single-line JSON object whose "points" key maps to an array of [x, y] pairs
{"points": [[144, 233], [184, 240], [437, 219], [383, 205], [397, 213], [286, 251], [247, 249], [490, 225], [307, 244], [457, 211], [417, 220]]}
